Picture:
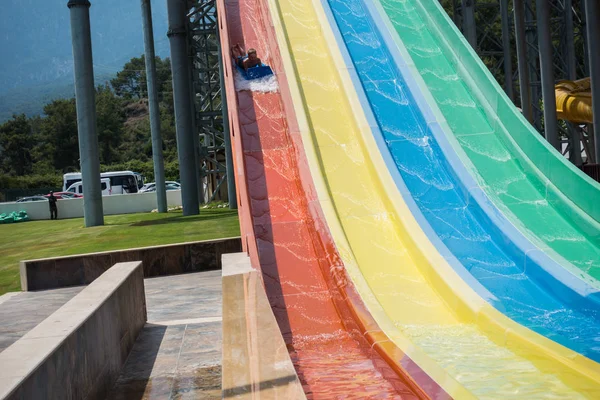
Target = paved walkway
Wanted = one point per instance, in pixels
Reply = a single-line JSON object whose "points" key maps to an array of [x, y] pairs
{"points": [[178, 353], [176, 356], [22, 311]]}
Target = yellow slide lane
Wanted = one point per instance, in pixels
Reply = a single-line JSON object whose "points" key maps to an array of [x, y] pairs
{"points": [[384, 250]]}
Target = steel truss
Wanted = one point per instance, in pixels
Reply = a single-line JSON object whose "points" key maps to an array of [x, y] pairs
{"points": [[479, 20], [204, 56]]}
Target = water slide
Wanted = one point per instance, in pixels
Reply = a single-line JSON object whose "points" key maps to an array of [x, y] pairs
{"points": [[336, 347], [574, 101], [541, 192], [482, 244], [371, 305]]}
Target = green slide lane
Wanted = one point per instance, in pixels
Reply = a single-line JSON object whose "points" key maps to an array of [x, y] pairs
{"points": [[546, 197]]}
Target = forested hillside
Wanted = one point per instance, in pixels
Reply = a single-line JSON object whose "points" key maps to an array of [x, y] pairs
{"points": [[36, 62], [36, 151]]}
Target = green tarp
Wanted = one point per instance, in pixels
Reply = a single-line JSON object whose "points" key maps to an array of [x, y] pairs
{"points": [[15, 216]]}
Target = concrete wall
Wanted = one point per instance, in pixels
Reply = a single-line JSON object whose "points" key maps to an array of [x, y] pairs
{"points": [[255, 360], [73, 208], [78, 352], [57, 272]]}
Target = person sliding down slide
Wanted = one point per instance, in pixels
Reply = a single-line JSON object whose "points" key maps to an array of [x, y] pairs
{"points": [[249, 64], [244, 61]]}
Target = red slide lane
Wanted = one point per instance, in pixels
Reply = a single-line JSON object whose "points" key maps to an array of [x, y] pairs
{"points": [[321, 317]]}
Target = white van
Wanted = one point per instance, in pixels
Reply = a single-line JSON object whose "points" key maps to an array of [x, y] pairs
{"points": [[77, 187], [121, 182]]}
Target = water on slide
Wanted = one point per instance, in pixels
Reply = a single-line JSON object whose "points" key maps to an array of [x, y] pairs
{"points": [[378, 239], [442, 198], [330, 361], [519, 193]]}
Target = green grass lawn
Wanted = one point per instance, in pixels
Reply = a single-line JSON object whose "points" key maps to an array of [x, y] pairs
{"points": [[39, 239]]}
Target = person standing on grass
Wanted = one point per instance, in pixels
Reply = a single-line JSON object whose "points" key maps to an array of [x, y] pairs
{"points": [[53, 208]]}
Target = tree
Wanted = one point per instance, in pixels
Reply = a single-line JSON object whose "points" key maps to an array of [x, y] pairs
{"points": [[110, 118], [131, 82], [59, 129], [16, 143], [130, 85], [164, 82], [42, 153]]}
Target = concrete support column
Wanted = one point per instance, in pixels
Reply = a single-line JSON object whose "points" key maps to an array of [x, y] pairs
{"points": [[180, 66], [547, 73], [508, 72], [157, 153], [85, 95], [592, 13], [521, 42], [231, 192]]}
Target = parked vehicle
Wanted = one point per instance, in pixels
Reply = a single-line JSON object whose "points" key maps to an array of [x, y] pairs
{"points": [[65, 195], [168, 186], [77, 187], [151, 187], [32, 198], [121, 182]]}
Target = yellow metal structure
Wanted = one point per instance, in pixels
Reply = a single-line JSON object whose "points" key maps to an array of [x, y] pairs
{"points": [[421, 304], [574, 101]]}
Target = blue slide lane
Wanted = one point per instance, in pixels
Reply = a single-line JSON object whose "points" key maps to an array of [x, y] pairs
{"points": [[479, 243]]}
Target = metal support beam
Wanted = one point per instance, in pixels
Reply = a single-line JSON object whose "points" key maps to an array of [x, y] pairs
{"points": [[231, 192], [197, 146], [469, 27], [569, 54], [210, 117], [508, 72], [522, 59], [570, 42], [85, 95], [591, 140], [183, 109], [575, 141], [532, 64], [586, 58], [592, 12], [547, 73], [157, 153]]}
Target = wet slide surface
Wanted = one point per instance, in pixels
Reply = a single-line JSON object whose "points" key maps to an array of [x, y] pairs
{"points": [[331, 361], [442, 198], [380, 234], [524, 196]]}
